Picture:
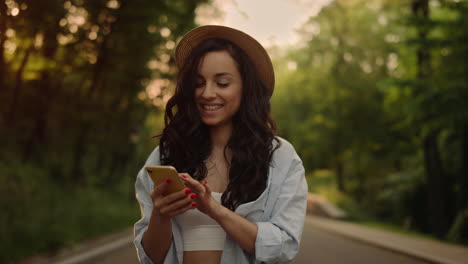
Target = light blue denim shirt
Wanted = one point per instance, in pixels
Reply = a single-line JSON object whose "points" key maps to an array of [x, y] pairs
{"points": [[279, 213]]}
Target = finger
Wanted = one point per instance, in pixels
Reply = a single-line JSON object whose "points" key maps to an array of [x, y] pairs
{"points": [[175, 196], [195, 186], [182, 210], [164, 201], [207, 187], [186, 178], [192, 183], [184, 175], [177, 205], [160, 189]]}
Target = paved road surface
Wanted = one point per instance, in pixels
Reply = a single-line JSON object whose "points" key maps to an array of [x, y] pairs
{"points": [[324, 248], [317, 247]]}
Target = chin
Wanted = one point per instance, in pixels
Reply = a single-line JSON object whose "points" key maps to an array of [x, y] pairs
{"points": [[211, 123], [214, 123]]}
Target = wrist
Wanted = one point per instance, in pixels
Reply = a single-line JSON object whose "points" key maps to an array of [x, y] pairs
{"points": [[218, 213], [159, 219]]}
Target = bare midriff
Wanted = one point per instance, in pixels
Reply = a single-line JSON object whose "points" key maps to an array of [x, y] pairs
{"points": [[205, 257]]}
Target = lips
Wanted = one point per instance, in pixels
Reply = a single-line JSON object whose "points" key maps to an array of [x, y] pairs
{"points": [[211, 107]]}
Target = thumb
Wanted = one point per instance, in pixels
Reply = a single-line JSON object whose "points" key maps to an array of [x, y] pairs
{"points": [[160, 190], [207, 187]]}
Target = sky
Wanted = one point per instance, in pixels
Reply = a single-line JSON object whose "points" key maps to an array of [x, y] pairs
{"points": [[271, 22]]}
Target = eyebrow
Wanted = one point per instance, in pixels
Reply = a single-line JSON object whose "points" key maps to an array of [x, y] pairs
{"points": [[219, 74], [223, 73]]}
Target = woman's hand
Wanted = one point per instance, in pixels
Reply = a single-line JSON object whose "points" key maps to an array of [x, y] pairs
{"points": [[237, 227], [167, 206], [204, 201], [157, 238]]}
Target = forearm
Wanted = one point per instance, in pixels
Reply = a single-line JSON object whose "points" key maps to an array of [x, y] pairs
{"points": [[237, 227], [157, 239]]}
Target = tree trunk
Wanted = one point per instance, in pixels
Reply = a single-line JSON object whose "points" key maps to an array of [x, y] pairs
{"points": [[102, 56], [340, 183], [79, 152], [18, 87], [437, 190], [436, 184], [37, 141], [98, 69], [337, 133], [462, 203], [3, 27], [420, 10], [361, 190]]}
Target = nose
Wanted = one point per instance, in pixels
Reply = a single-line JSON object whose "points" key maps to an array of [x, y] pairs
{"points": [[209, 91]]}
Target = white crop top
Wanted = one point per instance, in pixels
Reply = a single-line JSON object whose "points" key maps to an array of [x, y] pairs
{"points": [[201, 232]]}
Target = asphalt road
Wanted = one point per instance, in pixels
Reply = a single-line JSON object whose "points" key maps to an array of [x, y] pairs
{"points": [[317, 247]]}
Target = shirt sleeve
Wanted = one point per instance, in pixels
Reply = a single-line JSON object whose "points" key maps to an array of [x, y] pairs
{"points": [[278, 239], [143, 188]]}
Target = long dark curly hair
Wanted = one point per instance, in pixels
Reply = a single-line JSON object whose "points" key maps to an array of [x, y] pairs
{"points": [[185, 141]]}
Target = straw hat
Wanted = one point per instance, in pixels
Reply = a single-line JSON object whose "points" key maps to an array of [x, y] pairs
{"points": [[249, 45]]}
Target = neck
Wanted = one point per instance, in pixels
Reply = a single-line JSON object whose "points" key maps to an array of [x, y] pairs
{"points": [[220, 136]]}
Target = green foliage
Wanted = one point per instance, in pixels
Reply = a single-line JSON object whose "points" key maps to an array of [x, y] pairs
{"points": [[459, 230], [333, 99], [40, 215], [323, 182], [81, 90], [377, 94]]}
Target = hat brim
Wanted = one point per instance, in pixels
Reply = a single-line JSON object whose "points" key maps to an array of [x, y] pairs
{"points": [[249, 45]]}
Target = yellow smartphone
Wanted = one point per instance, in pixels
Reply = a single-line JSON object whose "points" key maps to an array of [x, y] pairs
{"points": [[160, 173]]}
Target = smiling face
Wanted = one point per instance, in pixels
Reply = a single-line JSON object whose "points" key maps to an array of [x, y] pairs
{"points": [[218, 90]]}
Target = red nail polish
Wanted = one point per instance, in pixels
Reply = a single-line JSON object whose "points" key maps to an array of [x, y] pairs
{"points": [[168, 180], [184, 176], [193, 195], [194, 204], [205, 182], [187, 191]]}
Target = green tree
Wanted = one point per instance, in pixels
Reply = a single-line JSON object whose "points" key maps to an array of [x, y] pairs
{"points": [[76, 93], [332, 98], [378, 94]]}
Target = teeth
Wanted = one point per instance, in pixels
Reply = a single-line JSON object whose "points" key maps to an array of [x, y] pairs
{"points": [[211, 107]]}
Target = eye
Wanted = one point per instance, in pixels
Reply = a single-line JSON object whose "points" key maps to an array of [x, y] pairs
{"points": [[199, 84], [223, 84]]}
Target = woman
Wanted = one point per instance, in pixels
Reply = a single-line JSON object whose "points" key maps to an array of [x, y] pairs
{"points": [[245, 200]]}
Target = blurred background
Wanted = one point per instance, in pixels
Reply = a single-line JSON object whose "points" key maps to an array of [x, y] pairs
{"points": [[373, 95]]}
